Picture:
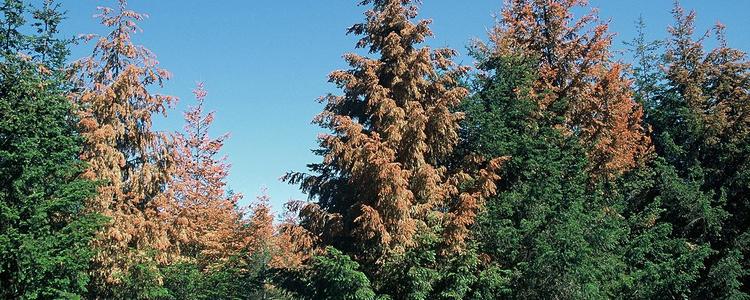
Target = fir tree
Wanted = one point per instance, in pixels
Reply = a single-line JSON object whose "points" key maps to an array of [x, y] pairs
{"points": [[331, 275], [647, 75], [550, 97], [700, 123], [548, 231], [116, 106], [207, 220], [295, 243], [663, 262], [385, 176], [580, 89], [44, 231]]}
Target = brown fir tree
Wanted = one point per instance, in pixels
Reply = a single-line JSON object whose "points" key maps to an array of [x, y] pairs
{"points": [[702, 121], [208, 224], [713, 84], [294, 243], [581, 90], [385, 177], [116, 108]]}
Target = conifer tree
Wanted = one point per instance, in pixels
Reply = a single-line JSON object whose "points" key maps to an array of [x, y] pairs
{"points": [[13, 20], [261, 230], [116, 107], [286, 245], [207, 220], [225, 254], [700, 123], [549, 231], [336, 276], [245, 271], [662, 260], [549, 96], [581, 90], [330, 275], [44, 232], [295, 243], [385, 176], [647, 75]]}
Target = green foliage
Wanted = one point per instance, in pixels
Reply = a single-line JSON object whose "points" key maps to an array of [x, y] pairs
{"points": [[240, 278], [411, 275], [675, 227], [44, 232], [188, 281], [646, 72], [142, 282], [330, 276], [664, 230], [661, 263], [548, 217], [724, 277], [421, 273], [468, 276], [13, 19], [185, 281], [697, 187], [336, 276]]}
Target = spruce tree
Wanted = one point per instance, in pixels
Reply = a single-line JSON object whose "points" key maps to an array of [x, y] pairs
{"points": [[646, 74], [44, 231], [296, 244], [663, 262], [391, 193], [332, 275]]}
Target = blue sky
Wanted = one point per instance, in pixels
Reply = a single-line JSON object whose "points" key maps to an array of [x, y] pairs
{"points": [[265, 62]]}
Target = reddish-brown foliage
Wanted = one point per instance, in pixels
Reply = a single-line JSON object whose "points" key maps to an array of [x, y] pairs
{"points": [[714, 85], [207, 222], [260, 227], [294, 243], [580, 89], [384, 173], [115, 108]]}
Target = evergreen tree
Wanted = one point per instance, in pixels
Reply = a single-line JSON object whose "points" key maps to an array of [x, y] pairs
{"points": [[560, 175], [384, 177], [245, 276], [332, 275], [549, 96], [579, 88], [700, 120], [12, 38], [336, 277], [548, 230], [647, 75], [294, 242], [208, 224], [278, 242], [44, 231], [663, 261], [390, 184], [116, 105]]}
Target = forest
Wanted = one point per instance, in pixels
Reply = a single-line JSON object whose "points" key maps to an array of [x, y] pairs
{"points": [[549, 167]]}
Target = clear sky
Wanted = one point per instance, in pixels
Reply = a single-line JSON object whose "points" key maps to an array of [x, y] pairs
{"points": [[265, 62]]}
